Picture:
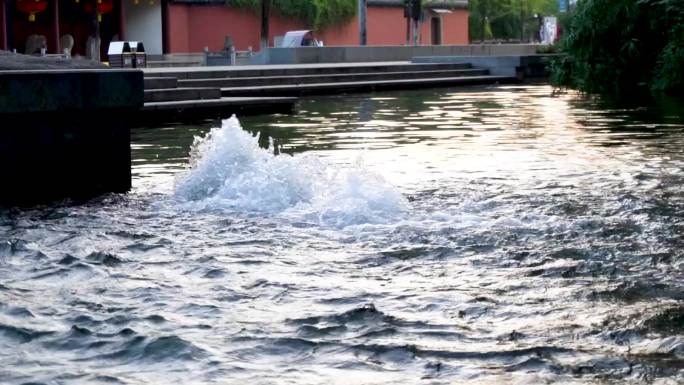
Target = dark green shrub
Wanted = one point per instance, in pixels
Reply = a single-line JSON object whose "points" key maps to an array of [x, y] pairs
{"points": [[619, 46]]}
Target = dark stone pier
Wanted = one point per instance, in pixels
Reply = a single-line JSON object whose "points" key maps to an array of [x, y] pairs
{"points": [[65, 133]]}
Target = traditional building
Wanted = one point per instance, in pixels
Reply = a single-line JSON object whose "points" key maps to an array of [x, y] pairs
{"points": [[188, 26]]}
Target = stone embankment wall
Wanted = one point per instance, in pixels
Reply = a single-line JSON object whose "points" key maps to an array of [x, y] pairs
{"points": [[65, 133], [306, 55]]}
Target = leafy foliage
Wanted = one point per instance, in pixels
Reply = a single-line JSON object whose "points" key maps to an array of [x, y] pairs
{"points": [[618, 46], [507, 19], [316, 13], [669, 70]]}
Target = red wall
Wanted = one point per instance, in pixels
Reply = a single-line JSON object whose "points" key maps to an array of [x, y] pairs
{"points": [[193, 27], [454, 27], [386, 26], [177, 36]]}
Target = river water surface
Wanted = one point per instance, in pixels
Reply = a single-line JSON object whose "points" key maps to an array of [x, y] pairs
{"points": [[483, 235]]}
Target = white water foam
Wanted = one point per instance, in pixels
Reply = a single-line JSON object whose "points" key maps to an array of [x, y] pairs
{"points": [[228, 170]]}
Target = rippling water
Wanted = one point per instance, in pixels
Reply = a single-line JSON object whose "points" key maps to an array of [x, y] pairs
{"points": [[492, 235]]}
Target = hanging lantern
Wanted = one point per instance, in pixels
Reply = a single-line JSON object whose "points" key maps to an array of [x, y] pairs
{"points": [[103, 7], [32, 7], [136, 2]]}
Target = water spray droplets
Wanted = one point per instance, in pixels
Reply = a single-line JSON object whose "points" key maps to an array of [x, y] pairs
{"points": [[229, 171]]}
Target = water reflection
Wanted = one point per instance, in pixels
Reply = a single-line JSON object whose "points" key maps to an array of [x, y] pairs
{"points": [[369, 122], [533, 238], [502, 130]]}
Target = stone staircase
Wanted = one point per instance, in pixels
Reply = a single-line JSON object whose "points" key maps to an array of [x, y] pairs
{"points": [[166, 99], [322, 79], [275, 88]]}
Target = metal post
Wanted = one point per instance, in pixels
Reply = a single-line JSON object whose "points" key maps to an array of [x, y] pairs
{"points": [[265, 13], [3, 25], [522, 22], [55, 26], [363, 32], [122, 21]]}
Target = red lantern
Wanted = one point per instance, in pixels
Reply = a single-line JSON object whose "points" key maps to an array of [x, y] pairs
{"points": [[32, 7], [103, 6]]}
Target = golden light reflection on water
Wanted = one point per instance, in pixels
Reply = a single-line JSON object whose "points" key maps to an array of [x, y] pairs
{"points": [[515, 132]]}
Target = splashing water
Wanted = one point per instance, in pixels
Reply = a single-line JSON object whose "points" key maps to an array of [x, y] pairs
{"points": [[228, 170], [539, 242]]}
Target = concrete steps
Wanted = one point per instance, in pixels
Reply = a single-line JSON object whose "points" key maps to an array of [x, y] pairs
{"points": [[157, 83], [182, 93], [279, 70], [326, 78], [166, 101], [221, 102], [298, 80], [187, 110], [362, 86], [260, 89]]}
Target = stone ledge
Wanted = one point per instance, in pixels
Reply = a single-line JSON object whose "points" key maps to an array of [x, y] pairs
{"points": [[66, 133], [69, 90]]}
